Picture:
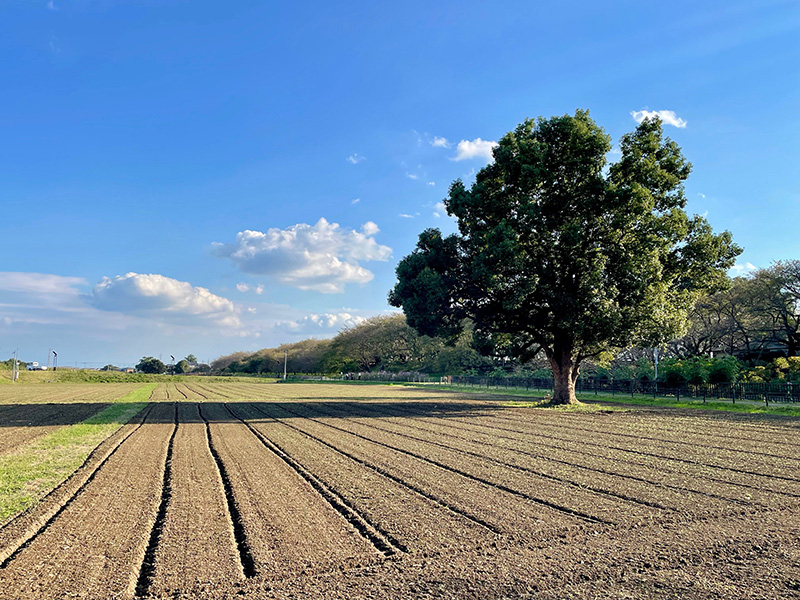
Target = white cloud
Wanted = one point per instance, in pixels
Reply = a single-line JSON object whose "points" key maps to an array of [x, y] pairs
{"points": [[354, 159], [668, 117], [322, 257], [160, 296], [355, 200], [431, 183], [476, 148], [39, 283], [242, 287], [259, 289], [412, 176], [440, 142], [324, 322], [439, 210], [702, 195], [405, 216], [742, 268]]}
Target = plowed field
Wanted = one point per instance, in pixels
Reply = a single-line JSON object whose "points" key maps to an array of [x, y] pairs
{"points": [[337, 491]]}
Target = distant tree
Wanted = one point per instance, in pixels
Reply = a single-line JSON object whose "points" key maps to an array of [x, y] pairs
{"points": [[182, 366], [223, 362], [778, 303], [191, 359], [109, 368], [559, 252], [148, 364]]}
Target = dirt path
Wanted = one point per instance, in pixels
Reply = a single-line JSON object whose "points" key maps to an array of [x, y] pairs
{"points": [[94, 548], [287, 527], [196, 547]]}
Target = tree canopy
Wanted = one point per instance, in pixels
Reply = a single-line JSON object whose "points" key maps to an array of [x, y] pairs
{"points": [[148, 364], [559, 252]]}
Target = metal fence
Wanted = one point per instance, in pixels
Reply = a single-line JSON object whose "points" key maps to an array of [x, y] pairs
{"points": [[759, 392], [769, 393]]}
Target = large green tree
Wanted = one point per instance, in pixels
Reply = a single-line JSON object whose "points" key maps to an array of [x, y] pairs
{"points": [[559, 252], [148, 364]]}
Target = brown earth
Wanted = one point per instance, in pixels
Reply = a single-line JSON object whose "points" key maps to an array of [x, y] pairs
{"points": [[329, 491], [23, 423]]}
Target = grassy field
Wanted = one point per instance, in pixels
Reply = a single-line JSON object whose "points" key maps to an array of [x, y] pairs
{"points": [[28, 473]]}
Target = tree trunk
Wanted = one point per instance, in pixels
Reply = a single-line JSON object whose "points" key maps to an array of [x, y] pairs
{"points": [[565, 373]]}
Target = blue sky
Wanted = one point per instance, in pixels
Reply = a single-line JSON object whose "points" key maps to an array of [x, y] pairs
{"points": [[202, 177]]}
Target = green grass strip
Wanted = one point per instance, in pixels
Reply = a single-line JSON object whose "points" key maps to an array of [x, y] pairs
{"points": [[30, 472]]}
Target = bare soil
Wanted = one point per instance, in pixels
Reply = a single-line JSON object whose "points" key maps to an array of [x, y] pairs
{"points": [[231, 490]]}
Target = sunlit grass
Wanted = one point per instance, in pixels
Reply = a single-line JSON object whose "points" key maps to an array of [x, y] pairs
{"points": [[31, 471]]}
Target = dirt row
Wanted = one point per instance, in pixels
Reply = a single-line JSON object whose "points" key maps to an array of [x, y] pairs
{"points": [[190, 499], [538, 498], [23, 423], [94, 546], [628, 482], [646, 425], [601, 430], [669, 476], [62, 393]]}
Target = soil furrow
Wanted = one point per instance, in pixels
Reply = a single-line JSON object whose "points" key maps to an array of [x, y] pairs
{"points": [[94, 548], [22, 529], [565, 434], [384, 473], [602, 513], [240, 538], [551, 465], [381, 540], [417, 522], [148, 562], [196, 547], [579, 425], [283, 537], [497, 447]]}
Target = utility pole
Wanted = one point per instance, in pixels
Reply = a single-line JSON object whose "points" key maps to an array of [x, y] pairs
{"points": [[655, 364], [285, 360], [55, 360]]}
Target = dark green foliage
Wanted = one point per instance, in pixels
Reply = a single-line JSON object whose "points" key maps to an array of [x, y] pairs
{"points": [[558, 253], [151, 365]]}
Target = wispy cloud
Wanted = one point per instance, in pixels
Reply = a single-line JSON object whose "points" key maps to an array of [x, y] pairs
{"points": [[39, 283], [439, 210], [431, 183], [405, 216], [742, 268], [668, 117], [412, 176], [324, 323], [440, 142], [354, 159], [476, 148], [355, 200], [323, 257]]}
